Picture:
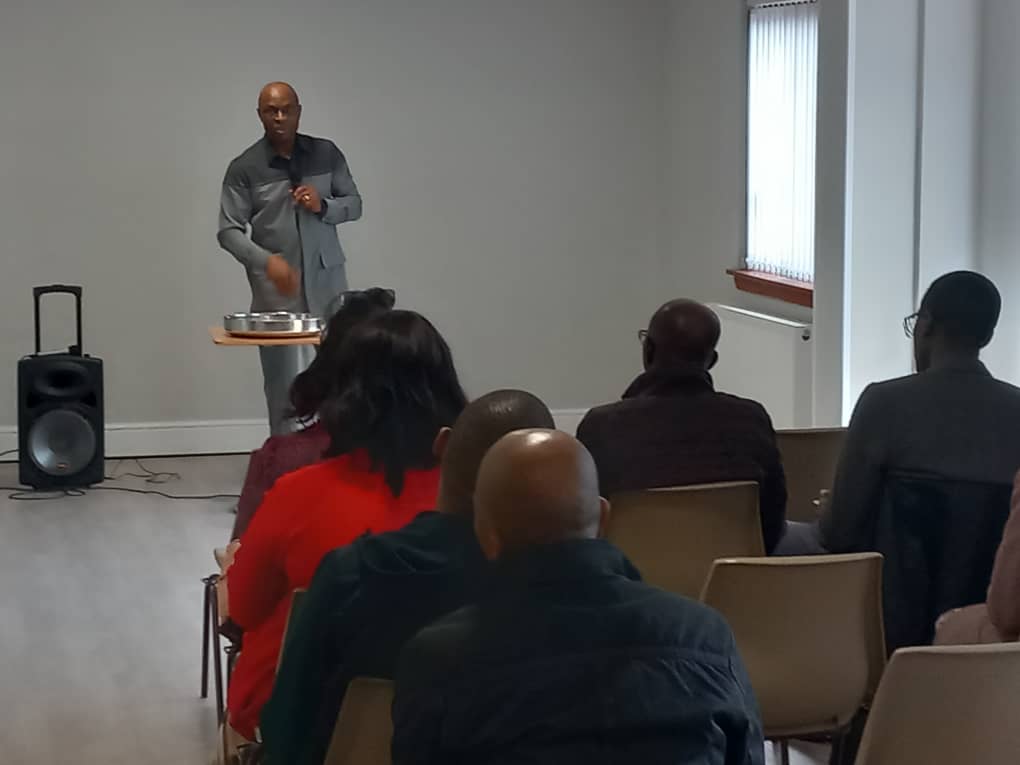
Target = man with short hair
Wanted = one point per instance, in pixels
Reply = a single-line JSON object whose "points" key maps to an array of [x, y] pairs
{"points": [[290, 191], [673, 429], [368, 598], [568, 657], [950, 420]]}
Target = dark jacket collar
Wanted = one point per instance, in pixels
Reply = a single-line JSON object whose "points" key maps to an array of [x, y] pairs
{"points": [[301, 146], [563, 561], [679, 379], [968, 366]]}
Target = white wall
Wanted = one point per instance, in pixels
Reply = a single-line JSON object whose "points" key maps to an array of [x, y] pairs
{"points": [[950, 166], [879, 265], [999, 221], [915, 169], [508, 153], [832, 166]]}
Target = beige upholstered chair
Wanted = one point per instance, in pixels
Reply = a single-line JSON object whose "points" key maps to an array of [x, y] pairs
{"points": [[673, 535], [946, 706], [809, 458], [364, 726], [810, 632]]}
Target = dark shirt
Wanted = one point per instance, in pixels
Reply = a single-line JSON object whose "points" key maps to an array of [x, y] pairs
{"points": [[956, 422], [673, 429], [364, 602], [569, 658]]}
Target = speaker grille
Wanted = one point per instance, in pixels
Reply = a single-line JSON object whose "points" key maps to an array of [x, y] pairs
{"points": [[61, 442]]}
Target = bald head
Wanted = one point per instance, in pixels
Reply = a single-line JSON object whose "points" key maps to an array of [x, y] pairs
{"points": [[536, 487], [682, 332], [279, 112], [482, 423], [275, 90]]}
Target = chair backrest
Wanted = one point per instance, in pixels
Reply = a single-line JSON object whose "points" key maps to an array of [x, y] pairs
{"points": [[939, 539], [364, 726], [809, 629], [809, 459], [673, 535], [945, 706]]}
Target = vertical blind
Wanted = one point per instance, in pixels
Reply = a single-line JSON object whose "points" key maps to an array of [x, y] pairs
{"points": [[782, 96]]}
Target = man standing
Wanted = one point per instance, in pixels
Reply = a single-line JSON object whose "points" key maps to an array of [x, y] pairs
{"points": [[291, 191]]}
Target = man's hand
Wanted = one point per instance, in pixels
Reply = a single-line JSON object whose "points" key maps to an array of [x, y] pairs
{"points": [[308, 198], [282, 275]]}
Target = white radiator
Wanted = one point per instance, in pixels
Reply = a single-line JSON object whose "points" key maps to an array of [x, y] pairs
{"points": [[769, 360]]}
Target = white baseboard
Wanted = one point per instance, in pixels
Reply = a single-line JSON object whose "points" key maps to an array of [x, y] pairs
{"points": [[153, 439]]}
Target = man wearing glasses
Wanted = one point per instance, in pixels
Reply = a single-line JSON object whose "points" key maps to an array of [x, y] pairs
{"points": [[282, 200], [950, 420]]}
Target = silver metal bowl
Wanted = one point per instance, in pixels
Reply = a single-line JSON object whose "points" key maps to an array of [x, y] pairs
{"points": [[272, 323]]}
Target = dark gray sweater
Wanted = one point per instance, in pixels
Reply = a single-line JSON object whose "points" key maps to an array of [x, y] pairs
{"points": [[956, 422]]}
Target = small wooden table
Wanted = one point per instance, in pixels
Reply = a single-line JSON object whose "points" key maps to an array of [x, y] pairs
{"points": [[220, 336]]}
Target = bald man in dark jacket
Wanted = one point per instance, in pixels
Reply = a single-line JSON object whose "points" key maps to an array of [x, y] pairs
{"points": [[568, 657], [673, 428]]}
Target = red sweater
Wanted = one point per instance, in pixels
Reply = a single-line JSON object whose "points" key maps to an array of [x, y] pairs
{"points": [[306, 514]]}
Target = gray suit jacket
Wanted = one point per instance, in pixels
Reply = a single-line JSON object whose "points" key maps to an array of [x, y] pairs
{"points": [[256, 197], [956, 423]]}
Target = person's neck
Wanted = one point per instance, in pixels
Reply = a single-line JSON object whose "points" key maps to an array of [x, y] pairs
{"points": [[284, 148], [952, 357], [455, 505], [675, 366]]}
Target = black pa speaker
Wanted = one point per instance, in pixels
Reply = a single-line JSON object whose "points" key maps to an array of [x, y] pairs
{"points": [[60, 411]]}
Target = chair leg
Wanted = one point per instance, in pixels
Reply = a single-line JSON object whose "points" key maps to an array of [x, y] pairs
{"points": [[207, 591], [214, 616], [784, 752]]}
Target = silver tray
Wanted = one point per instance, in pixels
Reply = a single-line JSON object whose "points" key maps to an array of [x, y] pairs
{"points": [[276, 323]]}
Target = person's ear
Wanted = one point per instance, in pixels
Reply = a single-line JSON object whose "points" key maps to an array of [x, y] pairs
{"points": [[713, 359], [648, 352], [488, 540], [441, 442], [604, 511]]}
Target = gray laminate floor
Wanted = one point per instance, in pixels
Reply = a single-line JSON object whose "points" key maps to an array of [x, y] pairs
{"points": [[100, 620], [100, 608]]}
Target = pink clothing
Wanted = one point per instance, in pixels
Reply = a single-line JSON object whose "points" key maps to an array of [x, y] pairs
{"points": [[1004, 590], [278, 456]]}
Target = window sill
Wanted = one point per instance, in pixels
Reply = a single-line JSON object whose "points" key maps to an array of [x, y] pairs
{"points": [[777, 287]]}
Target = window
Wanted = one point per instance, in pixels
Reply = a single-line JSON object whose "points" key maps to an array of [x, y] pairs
{"points": [[782, 96]]}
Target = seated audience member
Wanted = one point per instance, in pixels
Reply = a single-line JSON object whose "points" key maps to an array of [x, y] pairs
{"points": [[950, 420], [283, 454], [568, 657], [998, 620], [673, 429], [396, 389], [368, 598]]}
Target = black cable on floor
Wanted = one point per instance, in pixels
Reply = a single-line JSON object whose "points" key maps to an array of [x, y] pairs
{"points": [[23, 494], [149, 476]]}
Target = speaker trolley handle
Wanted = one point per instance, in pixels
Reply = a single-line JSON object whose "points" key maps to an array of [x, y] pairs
{"points": [[67, 289]]}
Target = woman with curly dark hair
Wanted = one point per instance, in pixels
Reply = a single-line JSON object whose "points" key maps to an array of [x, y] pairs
{"points": [[283, 454], [394, 387]]}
